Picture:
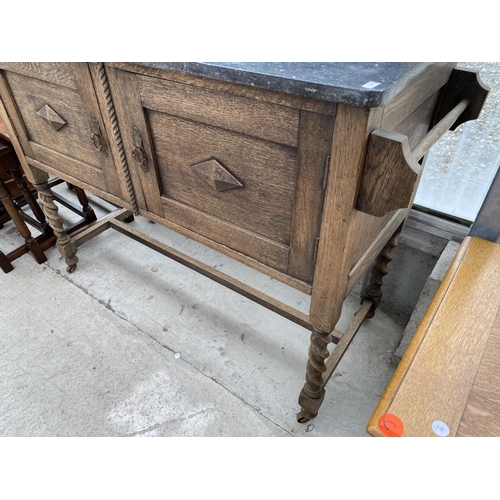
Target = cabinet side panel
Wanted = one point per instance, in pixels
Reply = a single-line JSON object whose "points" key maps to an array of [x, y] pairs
{"points": [[313, 155], [365, 228]]}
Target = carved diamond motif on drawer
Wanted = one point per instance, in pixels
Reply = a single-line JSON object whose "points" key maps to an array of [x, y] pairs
{"points": [[216, 175], [52, 117]]}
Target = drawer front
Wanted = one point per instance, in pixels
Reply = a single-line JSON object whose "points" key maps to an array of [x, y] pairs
{"points": [[63, 122], [224, 166]]}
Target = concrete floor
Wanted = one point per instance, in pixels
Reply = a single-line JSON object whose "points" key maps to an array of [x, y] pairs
{"points": [[133, 344]]}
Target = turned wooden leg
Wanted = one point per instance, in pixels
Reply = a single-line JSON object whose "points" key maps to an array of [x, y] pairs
{"points": [[373, 291], [5, 263], [14, 214], [88, 211], [44, 226], [67, 247], [313, 392]]}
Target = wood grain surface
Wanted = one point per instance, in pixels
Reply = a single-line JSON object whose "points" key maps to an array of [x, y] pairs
{"points": [[437, 374]]}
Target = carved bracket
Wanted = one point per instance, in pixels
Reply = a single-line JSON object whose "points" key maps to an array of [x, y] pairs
{"points": [[216, 175], [52, 117], [462, 84], [389, 176]]}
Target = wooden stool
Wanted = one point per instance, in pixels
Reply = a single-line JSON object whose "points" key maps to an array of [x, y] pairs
{"points": [[16, 193]]}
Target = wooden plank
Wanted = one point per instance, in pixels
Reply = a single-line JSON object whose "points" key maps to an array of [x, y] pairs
{"points": [[75, 179], [314, 148], [130, 113], [244, 259], [416, 94], [352, 127], [308, 104], [269, 252], [443, 362], [214, 274], [414, 346], [267, 171], [482, 413], [55, 72], [240, 114]]}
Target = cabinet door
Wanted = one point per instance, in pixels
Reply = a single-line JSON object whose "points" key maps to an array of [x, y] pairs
{"points": [[62, 122], [221, 165]]}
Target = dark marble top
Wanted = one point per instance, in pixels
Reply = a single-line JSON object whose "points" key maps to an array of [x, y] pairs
{"points": [[366, 84]]}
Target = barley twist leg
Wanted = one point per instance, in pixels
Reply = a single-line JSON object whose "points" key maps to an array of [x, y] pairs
{"points": [[313, 392], [66, 246], [373, 291]]}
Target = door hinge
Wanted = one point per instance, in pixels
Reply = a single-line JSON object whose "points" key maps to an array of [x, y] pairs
{"points": [[327, 172], [316, 245]]}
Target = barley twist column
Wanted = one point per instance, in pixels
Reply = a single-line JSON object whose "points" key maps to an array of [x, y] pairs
{"points": [[66, 246], [313, 392], [373, 291]]}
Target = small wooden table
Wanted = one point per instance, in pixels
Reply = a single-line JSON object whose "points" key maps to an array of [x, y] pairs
{"points": [[448, 382]]}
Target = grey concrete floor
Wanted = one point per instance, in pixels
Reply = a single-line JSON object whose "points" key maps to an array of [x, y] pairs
{"points": [[133, 344]]}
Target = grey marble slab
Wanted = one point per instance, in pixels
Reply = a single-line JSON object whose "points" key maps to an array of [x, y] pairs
{"points": [[366, 84]]}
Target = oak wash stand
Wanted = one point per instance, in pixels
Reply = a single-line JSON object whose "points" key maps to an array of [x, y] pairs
{"points": [[303, 171]]}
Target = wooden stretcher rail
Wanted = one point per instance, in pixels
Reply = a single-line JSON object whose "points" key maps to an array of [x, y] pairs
{"points": [[115, 220], [438, 130]]}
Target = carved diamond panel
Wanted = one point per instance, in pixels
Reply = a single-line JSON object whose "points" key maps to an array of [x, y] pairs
{"points": [[52, 117], [216, 175]]}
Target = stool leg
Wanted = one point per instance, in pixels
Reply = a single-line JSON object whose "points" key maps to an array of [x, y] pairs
{"points": [[67, 247], [5, 263], [32, 244], [84, 202], [33, 204]]}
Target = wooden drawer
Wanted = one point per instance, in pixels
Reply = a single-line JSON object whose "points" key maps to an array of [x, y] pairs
{"points": [[227, 167], [63, 123]]}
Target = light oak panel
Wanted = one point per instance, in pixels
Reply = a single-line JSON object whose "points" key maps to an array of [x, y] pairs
{"points": [[264, 250], [239, 114], [482, 414], [62, 163], [435, 377], [59, 73], [267, 170], [313, 163]]}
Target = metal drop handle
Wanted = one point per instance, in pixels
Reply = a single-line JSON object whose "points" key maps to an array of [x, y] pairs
{"points": [[138, 152], [97, 138]]}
